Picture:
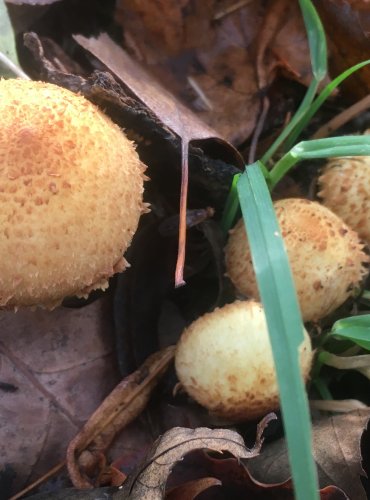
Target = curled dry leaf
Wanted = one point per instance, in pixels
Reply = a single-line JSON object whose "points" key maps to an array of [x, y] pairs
{"points": [[120, 408], [149, 481], [235, 480], [336, 449], [165, 106]]}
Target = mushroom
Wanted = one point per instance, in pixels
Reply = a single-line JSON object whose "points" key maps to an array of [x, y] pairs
{"points": [[345, 189], [71, 187], [325, 255], [224, 361]]}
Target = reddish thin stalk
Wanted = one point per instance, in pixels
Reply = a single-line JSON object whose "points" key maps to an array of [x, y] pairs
{"points": [[179, 273]]}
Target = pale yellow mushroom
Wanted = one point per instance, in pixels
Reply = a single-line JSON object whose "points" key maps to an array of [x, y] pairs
{"points": [[224, 361]]}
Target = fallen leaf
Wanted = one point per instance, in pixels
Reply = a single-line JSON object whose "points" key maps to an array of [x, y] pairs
{"points": [[75, 494], [236, 481], [55, 369], [210, 60], [336, 449], [121, 407], [347, 30], [165, 106], [149, 481]]}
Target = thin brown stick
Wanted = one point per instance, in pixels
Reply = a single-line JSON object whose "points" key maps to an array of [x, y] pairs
{"points": [[342, 118], [232, 8], [39, 481], [265, 105], [179, 273]]}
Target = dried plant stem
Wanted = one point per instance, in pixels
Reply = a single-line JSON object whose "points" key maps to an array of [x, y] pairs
{"points": [[341, 406], [232, 8], [347, 362], [179, 273], [39, 481], [342, 118]]}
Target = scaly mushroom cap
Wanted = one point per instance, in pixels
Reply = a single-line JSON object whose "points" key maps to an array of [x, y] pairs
{"points": [[345, 189], [325, 256], [71, 188], [224, 361]]}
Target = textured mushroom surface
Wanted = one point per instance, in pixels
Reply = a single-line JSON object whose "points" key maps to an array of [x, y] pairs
{"points": [[224, 361], [345, 189], [71, 187], [325, 255]]}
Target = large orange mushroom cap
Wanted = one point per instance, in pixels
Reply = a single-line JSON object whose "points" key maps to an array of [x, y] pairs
{"points": [[71, 187]]}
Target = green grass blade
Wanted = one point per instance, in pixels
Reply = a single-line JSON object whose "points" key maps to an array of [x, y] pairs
{"points": [[318, 102], [350, 145], [316, 39], [318, 53], [9, 65], [299, 114], [284, 322], [231, 207], [355, 328]]}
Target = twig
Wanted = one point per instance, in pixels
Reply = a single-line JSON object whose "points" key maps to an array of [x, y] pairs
{"points": [[202, 96], [342, 406], [179, 273], [232, 8], [342, 118], [39, 481], [258, 130]]}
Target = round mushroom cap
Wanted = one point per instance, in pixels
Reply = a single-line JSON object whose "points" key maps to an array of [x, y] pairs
{"points": [[345, 189], [224, 361], [326, 257], [71, 187]]}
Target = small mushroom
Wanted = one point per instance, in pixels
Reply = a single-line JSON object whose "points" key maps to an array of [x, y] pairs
{"points": [[224, 361], [325, 255], [345, 189], [71, 187]]}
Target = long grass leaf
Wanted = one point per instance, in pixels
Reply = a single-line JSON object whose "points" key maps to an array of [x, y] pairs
{"points": [[284, 322], [316, 39], [318, 102], [9, 65], [354, 328], [318, 54], [350, 145]]}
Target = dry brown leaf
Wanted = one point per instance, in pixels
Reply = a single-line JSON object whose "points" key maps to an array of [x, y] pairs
{"points": [[165, 106], [121, 407], [336, 449], [192, 489], [55, 369], [236, 482], [149, 482], [347, 30]]}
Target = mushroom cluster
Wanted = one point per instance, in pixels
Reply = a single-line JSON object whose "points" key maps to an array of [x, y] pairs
{"points": [[224, 361], [71, 187]]}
